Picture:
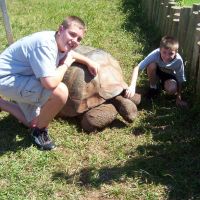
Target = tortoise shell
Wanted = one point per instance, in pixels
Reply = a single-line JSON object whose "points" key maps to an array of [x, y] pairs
{"points": [[87, 91]]}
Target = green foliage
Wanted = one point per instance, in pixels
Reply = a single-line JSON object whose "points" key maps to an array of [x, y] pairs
{"points": [[155, 157]]}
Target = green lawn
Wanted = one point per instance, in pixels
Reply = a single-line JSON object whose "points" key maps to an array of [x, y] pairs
{"points": [[156, 157], [188, 2]]}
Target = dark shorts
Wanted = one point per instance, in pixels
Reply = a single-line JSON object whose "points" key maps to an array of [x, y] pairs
{"points": [[163, 76]]}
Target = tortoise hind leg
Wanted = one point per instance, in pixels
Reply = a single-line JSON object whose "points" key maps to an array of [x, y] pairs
{"points": [[98, 117], [125, 107]]}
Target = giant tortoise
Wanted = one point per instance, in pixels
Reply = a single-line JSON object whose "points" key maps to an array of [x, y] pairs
{"points": [[97, 100]]}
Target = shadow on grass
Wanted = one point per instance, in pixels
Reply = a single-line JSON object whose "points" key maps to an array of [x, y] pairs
{"points": [[13, 136], [118, 123], [76, 123], [172, 160]]}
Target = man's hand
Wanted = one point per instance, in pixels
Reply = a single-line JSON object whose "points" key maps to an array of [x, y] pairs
{"points": [[93, 67], [69, 60]]}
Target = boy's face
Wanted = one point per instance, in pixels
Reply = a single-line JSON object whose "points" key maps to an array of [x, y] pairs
{"points": [[167, 55], [69, 38]]}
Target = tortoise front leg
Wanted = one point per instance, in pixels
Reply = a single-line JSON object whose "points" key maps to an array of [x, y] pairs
{"points": [[98, 117], [125, 107]]}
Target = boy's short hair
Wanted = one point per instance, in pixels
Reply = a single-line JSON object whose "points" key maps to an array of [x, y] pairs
{"points": [[169, 42], [68, 20]]}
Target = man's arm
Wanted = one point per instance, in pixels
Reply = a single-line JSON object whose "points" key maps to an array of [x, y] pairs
{"points": [[92, 65], [52, 82]]}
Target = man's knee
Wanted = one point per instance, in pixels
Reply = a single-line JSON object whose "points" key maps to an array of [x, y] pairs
{"points": [[170, 86], [61, 92]]}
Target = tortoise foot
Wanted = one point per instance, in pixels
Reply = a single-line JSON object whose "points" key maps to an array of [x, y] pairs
{"points": [[98, 117], [125, 107]]}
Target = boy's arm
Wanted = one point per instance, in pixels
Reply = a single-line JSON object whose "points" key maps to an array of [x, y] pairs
{"points": [[151, 57], [92, 65], [131, 89], [179, 101], [181, 79]]}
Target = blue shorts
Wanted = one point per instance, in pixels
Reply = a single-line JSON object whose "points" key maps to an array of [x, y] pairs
{"points": [[163, 76], [27, 92]]}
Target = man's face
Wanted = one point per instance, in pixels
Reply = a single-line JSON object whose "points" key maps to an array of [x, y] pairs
{"points": [[167, 55], [69, 38]]}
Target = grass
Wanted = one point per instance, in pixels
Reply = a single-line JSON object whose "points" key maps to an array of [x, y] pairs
{"points": [[188, 2], [155, 157]]}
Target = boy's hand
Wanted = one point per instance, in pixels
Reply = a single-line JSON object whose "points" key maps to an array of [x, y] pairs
{"points": [[93, 68], [130, 91]]}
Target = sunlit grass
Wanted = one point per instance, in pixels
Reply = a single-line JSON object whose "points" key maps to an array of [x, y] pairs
{"points": [[188, 2]]}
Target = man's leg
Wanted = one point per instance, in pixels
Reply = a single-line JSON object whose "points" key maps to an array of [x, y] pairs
{"points": [[48, 111], [14, 110], [52, 107]]}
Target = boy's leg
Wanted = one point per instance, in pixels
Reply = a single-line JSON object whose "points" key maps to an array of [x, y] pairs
{"points": [[168, 82], [153, 78], [170, 86], [152, 75]]}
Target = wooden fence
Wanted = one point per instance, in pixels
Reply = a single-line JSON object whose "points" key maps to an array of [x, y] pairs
{"points": [[182, 23]]}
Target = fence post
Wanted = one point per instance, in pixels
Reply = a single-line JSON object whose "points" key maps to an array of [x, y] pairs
{"points": [[174, 10], [189, 42], [167, 16], [183, 25], [198, 76], [6, 20], [195, 7], [195, 54], [160, 13], [174, 28]]}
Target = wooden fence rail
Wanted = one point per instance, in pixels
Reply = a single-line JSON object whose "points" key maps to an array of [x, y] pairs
{"points": [[182, 23]]}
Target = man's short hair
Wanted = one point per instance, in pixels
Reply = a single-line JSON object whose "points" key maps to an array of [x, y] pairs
{"points": [[68, 20]]}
